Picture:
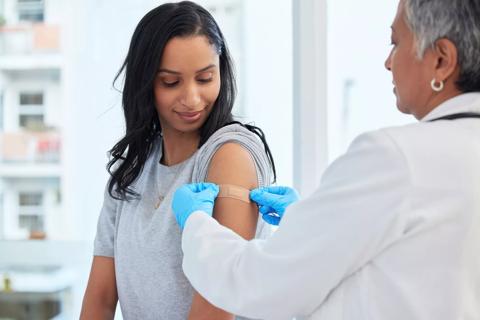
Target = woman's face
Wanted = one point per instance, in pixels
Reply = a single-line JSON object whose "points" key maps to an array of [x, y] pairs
{"points": [[411, 76], [187, 83]]}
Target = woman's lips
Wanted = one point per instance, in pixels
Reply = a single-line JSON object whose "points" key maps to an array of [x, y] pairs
{"points": [[190, 116]]}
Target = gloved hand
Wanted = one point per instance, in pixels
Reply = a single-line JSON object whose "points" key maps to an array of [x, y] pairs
{"points": [[193, 197], [273, 201]]}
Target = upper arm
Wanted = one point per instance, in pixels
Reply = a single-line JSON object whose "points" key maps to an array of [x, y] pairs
{"points": [[101, 296], [232, 164]]}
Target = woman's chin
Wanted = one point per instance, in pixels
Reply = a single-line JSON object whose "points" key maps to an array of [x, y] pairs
{"points": [[188, 127]]}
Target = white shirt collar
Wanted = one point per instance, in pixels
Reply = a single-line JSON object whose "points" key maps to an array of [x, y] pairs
{"points": [[466, 102]]}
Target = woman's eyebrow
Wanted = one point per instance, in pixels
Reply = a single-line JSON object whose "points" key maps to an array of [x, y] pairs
{"points": [[169, 71], [178, 73], [206, 68]]}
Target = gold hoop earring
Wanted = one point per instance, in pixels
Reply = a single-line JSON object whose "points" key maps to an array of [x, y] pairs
{"points": [[436, 87]]}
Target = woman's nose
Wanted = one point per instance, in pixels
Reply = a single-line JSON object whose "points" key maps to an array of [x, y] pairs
{"points": [[191, 97]]}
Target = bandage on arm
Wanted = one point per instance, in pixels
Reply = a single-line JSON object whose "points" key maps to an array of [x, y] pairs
{"points": [[234, 192]]}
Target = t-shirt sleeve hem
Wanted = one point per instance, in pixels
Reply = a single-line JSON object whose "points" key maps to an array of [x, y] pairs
{"points": [[103, 252]]}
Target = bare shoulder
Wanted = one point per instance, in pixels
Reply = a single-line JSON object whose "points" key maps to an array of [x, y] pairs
{"points": [[233, 164]]}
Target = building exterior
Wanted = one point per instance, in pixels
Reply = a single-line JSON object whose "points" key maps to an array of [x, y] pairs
{"points": [[30, 119]]}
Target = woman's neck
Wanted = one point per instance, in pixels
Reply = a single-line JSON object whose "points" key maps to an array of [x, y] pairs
{"points": [[178, 146]]}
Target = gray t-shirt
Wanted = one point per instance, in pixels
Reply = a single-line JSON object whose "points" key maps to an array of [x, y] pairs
{"points": [[144, 238]]}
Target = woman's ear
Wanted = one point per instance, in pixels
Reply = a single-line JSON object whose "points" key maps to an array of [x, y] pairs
{"points": [[446, 55]]}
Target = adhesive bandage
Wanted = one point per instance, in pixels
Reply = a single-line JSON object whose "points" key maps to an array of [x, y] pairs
{"points": [[234, 192]]}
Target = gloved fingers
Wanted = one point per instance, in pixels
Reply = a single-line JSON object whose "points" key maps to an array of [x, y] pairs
{"points": [[270, 189], [183, 192], [264, 198], [256, 194], [210, 192], [201, 186], [210, 186], [280, 190], [271, 219], [265, 209]]}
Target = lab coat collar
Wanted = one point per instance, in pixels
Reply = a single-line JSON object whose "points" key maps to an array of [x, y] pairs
{"points": [[466, 102]]}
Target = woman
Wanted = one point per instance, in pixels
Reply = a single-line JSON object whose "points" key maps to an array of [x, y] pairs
{"points": [[393, 231], [178, 97]]}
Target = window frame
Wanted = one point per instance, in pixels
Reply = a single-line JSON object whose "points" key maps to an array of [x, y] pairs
{"points": [[310, 94]]}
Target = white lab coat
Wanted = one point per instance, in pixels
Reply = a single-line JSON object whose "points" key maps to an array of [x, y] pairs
{"points": [[393, 232]]}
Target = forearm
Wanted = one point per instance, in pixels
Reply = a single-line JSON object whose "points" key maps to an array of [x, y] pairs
{"points": [[96, 309], [100, 299]]}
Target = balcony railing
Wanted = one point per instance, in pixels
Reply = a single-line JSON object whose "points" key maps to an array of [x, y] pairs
{"points": [[30, 147], [28, 39]]}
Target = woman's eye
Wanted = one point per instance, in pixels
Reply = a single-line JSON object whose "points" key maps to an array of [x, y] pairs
{"points": [[170, 83], [205, 77], [204, 80]]}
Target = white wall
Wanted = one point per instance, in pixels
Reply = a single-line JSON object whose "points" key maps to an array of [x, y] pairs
{"points": [[357, 49], [98, 38], [54, 11], [268, 78]]}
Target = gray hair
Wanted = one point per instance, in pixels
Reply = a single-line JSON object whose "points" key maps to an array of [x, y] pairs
{"points": [[456, 20]]}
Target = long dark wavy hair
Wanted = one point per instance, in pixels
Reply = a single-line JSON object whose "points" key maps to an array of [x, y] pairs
{"points": [[157, 27]]}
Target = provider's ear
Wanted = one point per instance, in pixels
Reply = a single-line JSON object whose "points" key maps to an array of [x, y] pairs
{"points": [[446, 59]]}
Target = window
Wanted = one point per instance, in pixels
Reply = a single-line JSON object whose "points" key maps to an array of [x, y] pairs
{"points": [[30, 215], [31, 111], [30, 10], [31, 222], [35, 98], [31, 121], [30, 199]]}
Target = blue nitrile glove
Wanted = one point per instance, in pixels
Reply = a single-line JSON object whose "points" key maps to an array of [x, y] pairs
{"points": [[193, 197], [272, 202]]}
